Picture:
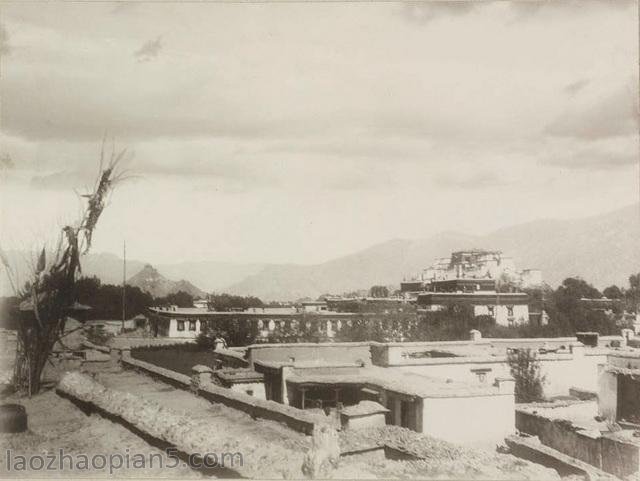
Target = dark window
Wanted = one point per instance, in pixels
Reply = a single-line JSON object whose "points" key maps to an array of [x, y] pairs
{"points": [[492, 310], [510, 311], [180, 325], [192, 325]]}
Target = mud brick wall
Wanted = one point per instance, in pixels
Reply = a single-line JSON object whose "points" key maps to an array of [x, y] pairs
{"points": [[294, 418], [604, 451], [620, 458], [562, 436], [156, 422]]}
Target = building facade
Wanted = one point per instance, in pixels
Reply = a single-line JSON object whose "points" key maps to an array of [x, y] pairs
{"points": [[508, 309], [472, 264], [261, 323]]}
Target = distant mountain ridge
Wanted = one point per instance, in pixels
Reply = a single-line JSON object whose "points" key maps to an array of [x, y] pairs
{"points": [[150, 280], [603, 249]]}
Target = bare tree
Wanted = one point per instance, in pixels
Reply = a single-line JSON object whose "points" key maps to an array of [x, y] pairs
{"points": [[49, 295]]}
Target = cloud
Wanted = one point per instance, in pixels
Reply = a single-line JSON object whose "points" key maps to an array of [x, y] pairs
{"points": [[5, 47], [613, 115], [122, 7], [6, 162], [476, 181], [424, 12], [524, 10], [149, 50], [575, 87], [596, 159], [6, 165]]}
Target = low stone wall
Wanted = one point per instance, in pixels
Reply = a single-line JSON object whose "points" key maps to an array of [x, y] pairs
{"points": [[181, 357], [294, 418], [604, 452], [583, 394], [122, 342], [619, 457], [152, 420], [96, 347], [8, 345], [230, 358]]}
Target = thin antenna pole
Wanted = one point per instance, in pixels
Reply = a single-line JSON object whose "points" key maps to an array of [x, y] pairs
{"points": [[124, 280]]}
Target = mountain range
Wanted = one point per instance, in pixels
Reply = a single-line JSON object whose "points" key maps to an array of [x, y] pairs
{"points": [[603, 249]]}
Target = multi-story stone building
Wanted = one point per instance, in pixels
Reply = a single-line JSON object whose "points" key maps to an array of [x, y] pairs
{"points": [[508, 309], [472, 264]]}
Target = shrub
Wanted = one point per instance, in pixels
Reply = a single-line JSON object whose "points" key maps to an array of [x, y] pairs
{"points": [[525, 369]]}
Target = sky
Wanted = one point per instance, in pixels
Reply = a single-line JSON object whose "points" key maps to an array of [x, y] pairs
{"points": [[299, 132]]}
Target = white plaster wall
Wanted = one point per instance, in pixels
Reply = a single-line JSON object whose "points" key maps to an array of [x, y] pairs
{"points": [[257, 387], [579, 371], [366, 421], [476, 421], [461, 372], [624, 361], [501, 313], [607, 394], [186, 334]]}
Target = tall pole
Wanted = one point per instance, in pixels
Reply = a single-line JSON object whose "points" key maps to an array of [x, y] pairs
{"points": [[124, 280]]}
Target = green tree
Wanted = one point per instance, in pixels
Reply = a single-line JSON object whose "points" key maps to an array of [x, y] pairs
{"points": [[106, 299], [569, 314], [632, 295], [227, 302], [613, 292], [525, 369], [379, 291], [180, 299]]}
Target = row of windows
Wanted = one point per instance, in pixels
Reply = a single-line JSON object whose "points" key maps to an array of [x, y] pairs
{"points": [[492, 310], [271, 324], [181, 325], [261, 325]]}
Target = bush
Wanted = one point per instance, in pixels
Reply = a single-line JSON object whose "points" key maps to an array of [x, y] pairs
{"points": [[525, 369]]}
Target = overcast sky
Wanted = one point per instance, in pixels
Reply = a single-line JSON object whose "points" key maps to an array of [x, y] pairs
{"points": [[299, 132]]}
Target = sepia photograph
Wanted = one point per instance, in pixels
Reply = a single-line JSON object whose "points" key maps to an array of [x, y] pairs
{"points": [[323, 239]]}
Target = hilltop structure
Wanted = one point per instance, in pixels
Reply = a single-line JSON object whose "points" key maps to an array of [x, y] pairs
{"points": [[508, 309], [471, 278], [477, 264]]}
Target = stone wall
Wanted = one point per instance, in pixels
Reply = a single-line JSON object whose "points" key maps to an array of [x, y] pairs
{"points": [[296, 419], [8, 345], [604, 451], [188, 435]]}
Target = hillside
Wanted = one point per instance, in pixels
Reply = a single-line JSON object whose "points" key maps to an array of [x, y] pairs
{"points": [[602, 249], [151, 281]]}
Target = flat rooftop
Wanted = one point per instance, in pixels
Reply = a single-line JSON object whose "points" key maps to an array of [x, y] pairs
{"points": [[203, 313], [397, 381]]}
